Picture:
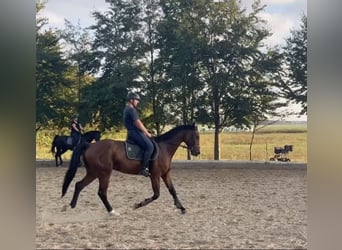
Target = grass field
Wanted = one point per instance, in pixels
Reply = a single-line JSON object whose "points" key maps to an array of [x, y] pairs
{"points": [[233, 145]]}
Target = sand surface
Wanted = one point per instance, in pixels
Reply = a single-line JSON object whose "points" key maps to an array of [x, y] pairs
{"points": [[226, 209]]}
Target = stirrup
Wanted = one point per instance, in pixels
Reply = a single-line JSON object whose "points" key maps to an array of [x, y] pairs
{"points": [[145, 172]]}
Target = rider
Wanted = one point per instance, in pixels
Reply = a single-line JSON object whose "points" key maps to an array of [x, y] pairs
{"points": [[136, 131], [76, 130]]}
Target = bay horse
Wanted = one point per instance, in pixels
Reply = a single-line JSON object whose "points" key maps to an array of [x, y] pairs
{"points": [[60, 144], [102, 157]]}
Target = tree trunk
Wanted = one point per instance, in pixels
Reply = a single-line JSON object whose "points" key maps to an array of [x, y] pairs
{"points": [[217, 144], [217, 122], [251, 143]]}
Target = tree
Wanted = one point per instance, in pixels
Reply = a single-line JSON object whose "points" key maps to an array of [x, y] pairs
{"points": [[178, 43], [150, 74], [294, 84], [77, 46], [40, 21], [51, 80], [235, 65], [116, 48]]}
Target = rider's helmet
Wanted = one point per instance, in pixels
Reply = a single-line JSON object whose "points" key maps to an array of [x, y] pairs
{"points": [[132, 95], [74, 117]]}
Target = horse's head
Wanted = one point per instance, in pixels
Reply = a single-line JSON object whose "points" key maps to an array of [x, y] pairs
{"points": [[192, 140]]}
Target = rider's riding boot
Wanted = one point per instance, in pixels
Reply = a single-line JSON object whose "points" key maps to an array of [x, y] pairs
{"points": [[145, 172], [144, 167]]}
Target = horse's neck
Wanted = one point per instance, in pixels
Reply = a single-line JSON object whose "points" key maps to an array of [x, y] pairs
{"points": [[173, 143]]}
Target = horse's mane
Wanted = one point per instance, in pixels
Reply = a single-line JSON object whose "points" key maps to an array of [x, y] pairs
{"points": [[173, 131]]}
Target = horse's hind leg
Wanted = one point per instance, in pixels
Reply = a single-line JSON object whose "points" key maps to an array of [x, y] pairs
{"points": [[62, 151], [59, 157], [155, 180], [168, 182], [78, 188], [103, 186]]}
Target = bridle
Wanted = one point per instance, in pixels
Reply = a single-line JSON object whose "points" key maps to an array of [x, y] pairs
{"points": [[189, 147], [185, 146]]}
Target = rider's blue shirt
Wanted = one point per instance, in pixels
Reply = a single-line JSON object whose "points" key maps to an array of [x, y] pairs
{"points": [[130, 115]]}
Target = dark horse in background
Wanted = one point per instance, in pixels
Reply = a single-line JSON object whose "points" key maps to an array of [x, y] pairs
{"points": [[60, 143], [102, 157]]}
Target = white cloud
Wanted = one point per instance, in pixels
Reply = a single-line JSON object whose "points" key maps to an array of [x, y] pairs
{"points": [[280, 25], [269, 2], [282, 16], [55, 20], [73, 10]]}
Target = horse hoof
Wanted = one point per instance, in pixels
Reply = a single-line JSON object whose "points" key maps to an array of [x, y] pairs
{"points": [[112, 213], [136, 206], [183, 211]]}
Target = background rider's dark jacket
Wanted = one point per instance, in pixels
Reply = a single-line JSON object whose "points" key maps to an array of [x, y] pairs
{"points": [[76, 135]]}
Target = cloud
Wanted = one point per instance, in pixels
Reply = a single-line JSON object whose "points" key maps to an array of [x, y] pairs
{"points": [[282, 16], [54, 20], [280, 26], [74, 11], [274, 2]]}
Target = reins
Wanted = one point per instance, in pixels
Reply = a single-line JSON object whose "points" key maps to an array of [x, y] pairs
{"points": [[180, 145], [184, 146]]}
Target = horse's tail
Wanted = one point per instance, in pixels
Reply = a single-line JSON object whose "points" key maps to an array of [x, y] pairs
{"points": [[53, 145], [74, 163]]}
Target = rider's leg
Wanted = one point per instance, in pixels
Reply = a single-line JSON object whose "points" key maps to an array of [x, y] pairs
{"points": [[74, 140], [146, 158], [146, 144]]}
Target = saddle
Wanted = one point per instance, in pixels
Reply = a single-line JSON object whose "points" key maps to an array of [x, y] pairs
{"points": [[69, 140], [135, 152]]}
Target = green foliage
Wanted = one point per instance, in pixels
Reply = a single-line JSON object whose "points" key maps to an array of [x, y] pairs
{"points": [[51, 72], [295, 83], [200, 61], [116, 46], [80, 56]]}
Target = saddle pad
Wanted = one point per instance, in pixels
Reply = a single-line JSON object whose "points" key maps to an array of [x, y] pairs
{"points": [[134, 152], [69, 140]]}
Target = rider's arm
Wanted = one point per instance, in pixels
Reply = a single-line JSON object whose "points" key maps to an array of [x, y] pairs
{"points": [[141, 126], [75, 127]]}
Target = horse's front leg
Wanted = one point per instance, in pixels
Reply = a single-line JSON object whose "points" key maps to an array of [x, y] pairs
{"points": [[103, 186], [56, 159], [60, 160], [155, 181], [168, 182]]}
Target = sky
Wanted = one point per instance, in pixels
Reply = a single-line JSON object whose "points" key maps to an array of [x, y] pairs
{"points": [[282, 16]]}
